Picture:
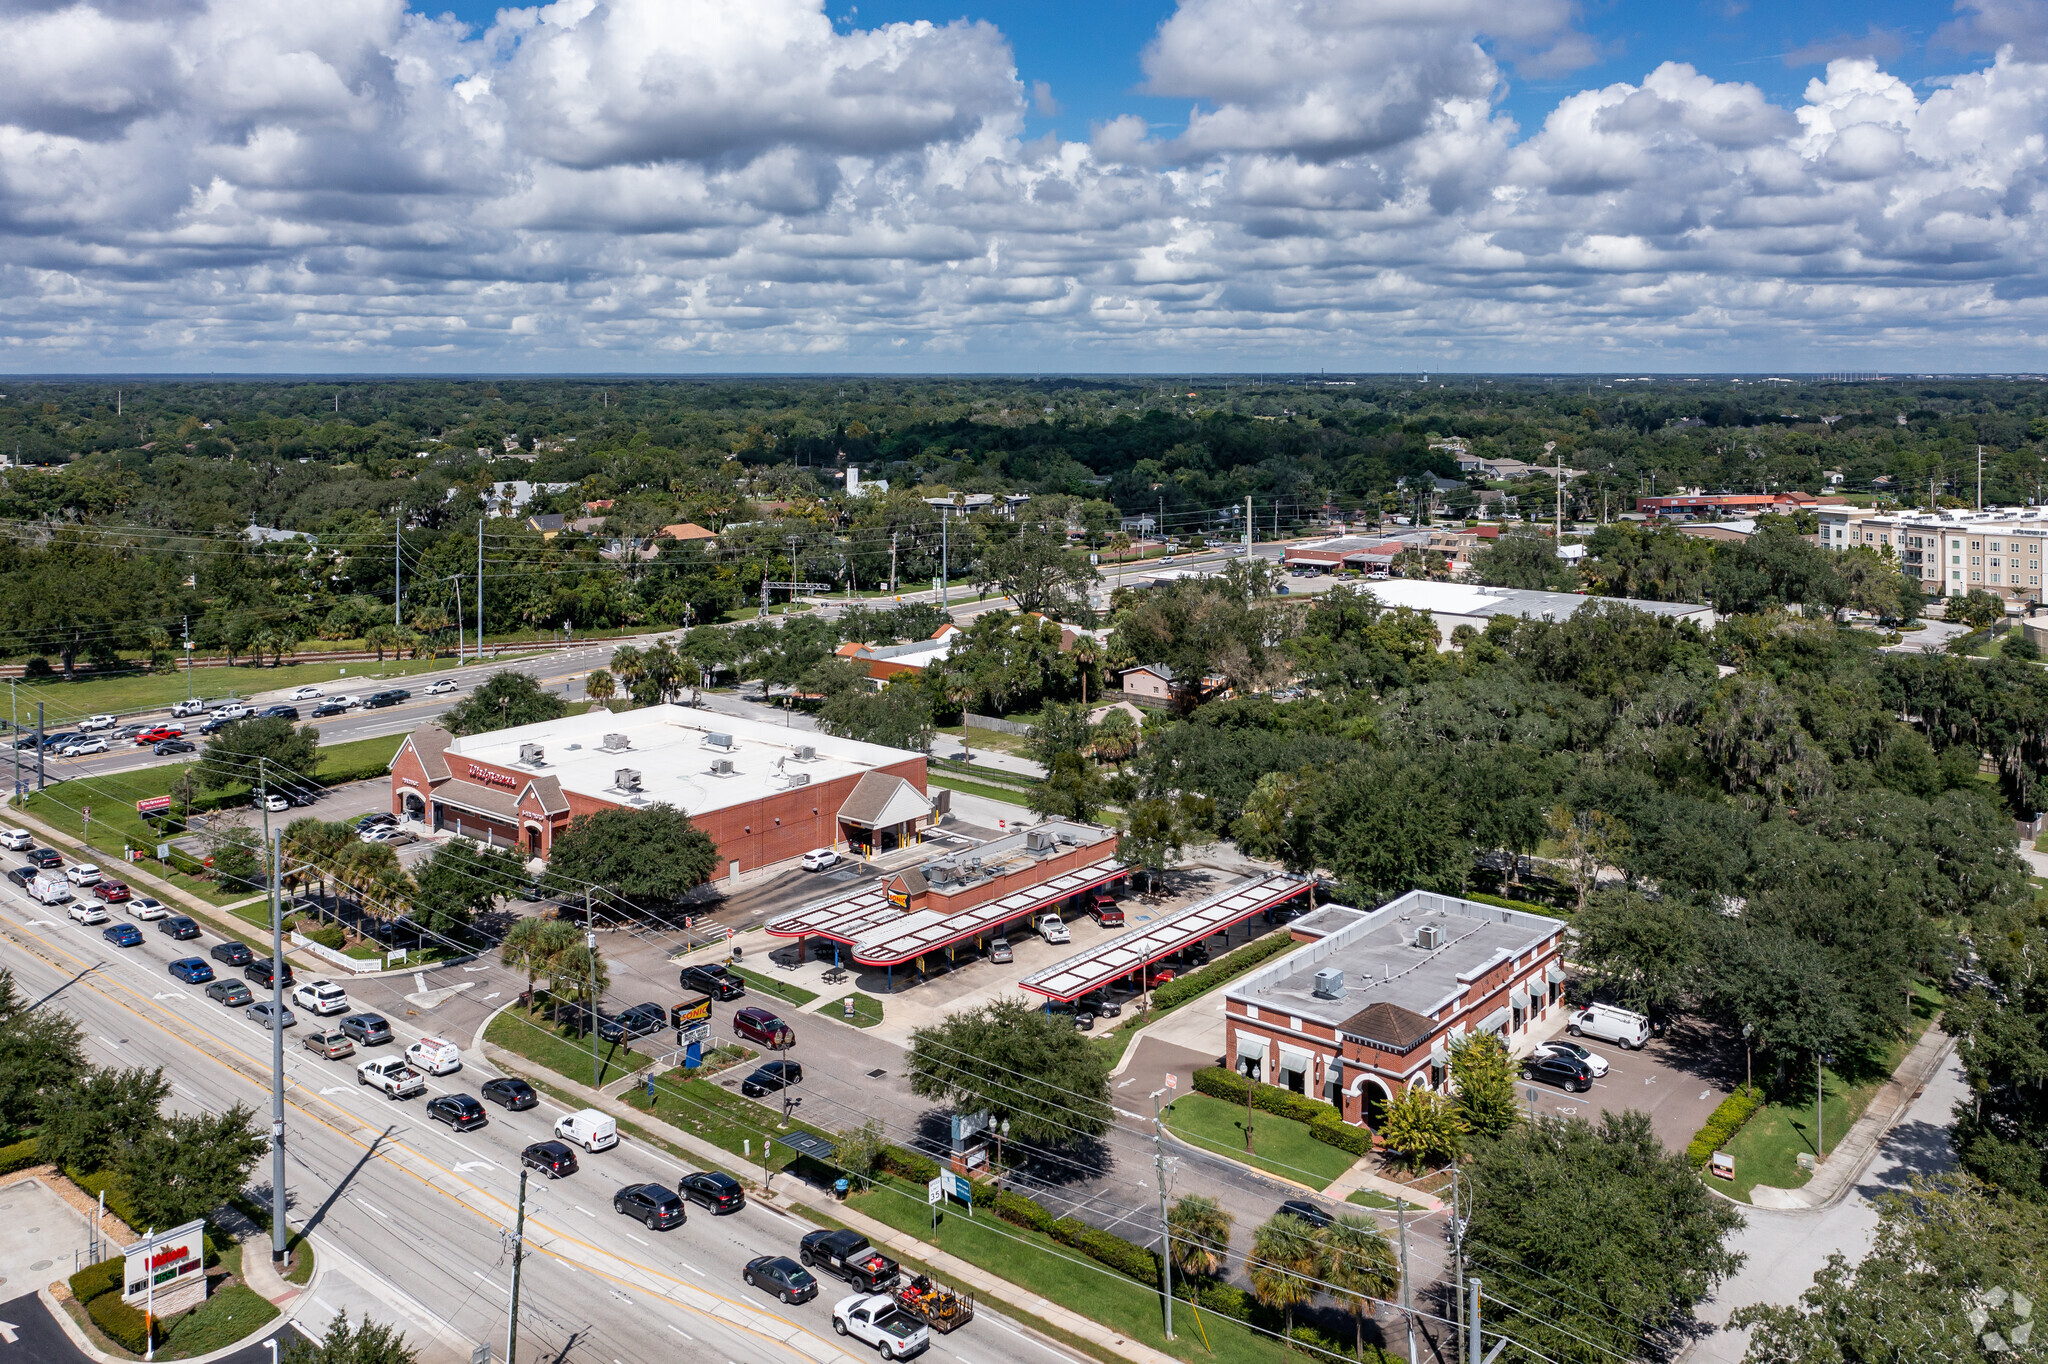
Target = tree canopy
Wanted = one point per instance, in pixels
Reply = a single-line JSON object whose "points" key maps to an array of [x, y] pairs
{"points": [[1014, 1062]]}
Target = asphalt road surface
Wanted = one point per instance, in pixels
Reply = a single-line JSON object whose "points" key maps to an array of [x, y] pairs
{"points": [[428, 1209]]}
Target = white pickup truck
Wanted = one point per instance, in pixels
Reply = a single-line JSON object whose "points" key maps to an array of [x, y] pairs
{"points": [[875, 1319], [1053, 929], [392, 1075]]}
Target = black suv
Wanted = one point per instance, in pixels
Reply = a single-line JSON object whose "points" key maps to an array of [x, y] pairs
{"points": [[657, 1208], [771, 1077], [720, 1193], [551, 1158], [231, 954], [641, 1020], [1565, 1071], [178, 927], [459, 1111], [278, 713], [369, 1029], [23, 876], [327, 708], [45, 858], [259, 972], [715, 981]]}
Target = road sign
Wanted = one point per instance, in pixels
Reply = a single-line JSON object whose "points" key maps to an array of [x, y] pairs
{"points": [[935, 1192], [1173, 1082], [152, 805]]}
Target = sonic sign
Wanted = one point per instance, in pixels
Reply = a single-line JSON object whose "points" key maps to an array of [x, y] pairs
{"points": [[167, 1270]]}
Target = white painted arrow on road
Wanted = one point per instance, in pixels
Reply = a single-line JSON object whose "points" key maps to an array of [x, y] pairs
{"points": [[7, 1330], [42, 923], [476, 968], [494, 994], [174, 994], [335, 1089]]}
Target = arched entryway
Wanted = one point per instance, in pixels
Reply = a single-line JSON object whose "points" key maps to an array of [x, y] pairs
{"points": [[415, 807], [1374, 1096], [533, 841]]}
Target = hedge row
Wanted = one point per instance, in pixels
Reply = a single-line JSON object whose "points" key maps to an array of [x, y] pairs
{"points": [[1723, 1123], [93, 1280], [1323, 1121], [19, 1156], [1181, 989], [124, 1325], [1498, 902], [105, 1181], [1107, 1248]]}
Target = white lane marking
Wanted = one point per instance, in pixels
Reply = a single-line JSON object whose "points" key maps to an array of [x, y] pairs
{"points": [[385, 1216], [585, 1211], [493, 994], [635, 1240], [480, 1274], [681, 1332], [1021, 1336], [692, 1268], [335, 1089], [463, 1167]]}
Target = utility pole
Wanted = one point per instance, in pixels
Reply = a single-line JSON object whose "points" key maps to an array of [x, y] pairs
{"points": [[456, 578], [1472, 1314], [795, 576], [590, 947], [892, 563], [479, 588], [1247, 528], [397, 569], [188, 658], [1457, 1260], [518, 1253], [1980, 478], [1557, 532], [1165, 1232], [945, 570], [1407, 1301], [275, 842], [41, 765]]}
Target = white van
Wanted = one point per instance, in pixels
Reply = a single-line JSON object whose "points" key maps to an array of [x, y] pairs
{"points": [[50, 890], [590, 1129], [1611, 1024], [434, 1056]]}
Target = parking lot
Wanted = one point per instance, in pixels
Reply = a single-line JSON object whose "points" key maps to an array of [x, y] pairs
{"points": [[1678, 1078]]}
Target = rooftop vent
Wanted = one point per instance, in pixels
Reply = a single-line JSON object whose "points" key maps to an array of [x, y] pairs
{"points": [[1429, 937], [627, 779], [939, 873], [718, 740], [1330, 983], [799, 779], [806, 753], [721, 767], [616, 743], [531, 754], [1039, 840]]}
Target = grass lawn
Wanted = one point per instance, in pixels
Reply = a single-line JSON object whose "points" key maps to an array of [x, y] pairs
{"points": [[1281, 1146], [67, 701], [1767, 1149], [706, 1109], [1372, 1198], [1008, 795], [867, 1010], [1034, 1261], [226, 1317], [782, 990], [116, 827], [559, 1048]]}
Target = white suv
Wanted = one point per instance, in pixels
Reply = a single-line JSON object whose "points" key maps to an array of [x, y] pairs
{"points": [[92, 722], [1611, 1024], [321, 998], [16, 840], [817, 859], [82, 874]]}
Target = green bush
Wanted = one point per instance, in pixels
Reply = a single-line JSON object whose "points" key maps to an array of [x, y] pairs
{"points": [[1227, 1300], [1332, 1131], [908, 1164], [1181, 989], [108, 1183], [1025, 1212], [1106, 1248], [1723, 1123], [1547, 911], [19, 1156], [124, 1325], [1323, 1121], [93, 1280]]}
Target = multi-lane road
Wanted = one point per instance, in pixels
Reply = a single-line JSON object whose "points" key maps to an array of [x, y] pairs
{"points": [[427, 1210]]}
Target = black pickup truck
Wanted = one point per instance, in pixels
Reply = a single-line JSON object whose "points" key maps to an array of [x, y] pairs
{"points": [[847, 1255]]}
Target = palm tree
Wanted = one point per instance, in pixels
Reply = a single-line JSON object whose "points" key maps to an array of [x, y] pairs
{"points": [[1085, 654], [579, 972], [1286, 1261], [531, 945], [601, 687], [380, 637], [1199, 1230], [1116, 737], [1358, 1262]]}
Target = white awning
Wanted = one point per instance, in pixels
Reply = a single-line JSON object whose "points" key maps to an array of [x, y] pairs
{"points": [[1493, 1022], [1252, 1046], [1293, 1058], [1439, 1055], [1554, 973], [1518, 998]]}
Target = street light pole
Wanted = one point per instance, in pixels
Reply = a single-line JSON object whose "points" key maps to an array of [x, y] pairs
{"points": [[518, 1253], [277, 968], [1165, 1231]]}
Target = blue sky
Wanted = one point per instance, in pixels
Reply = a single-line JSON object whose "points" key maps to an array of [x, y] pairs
{"points": [[693, 185]]}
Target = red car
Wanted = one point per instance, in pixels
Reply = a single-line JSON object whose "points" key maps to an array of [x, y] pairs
{"points": [[159, 734], [1158, 975], [761, 1026], [113, 892]]}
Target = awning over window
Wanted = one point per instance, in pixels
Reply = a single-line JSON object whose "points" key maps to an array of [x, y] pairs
{"points": [[1439, 1055], [1494, 1021], [1249, 1045], [1554, 973], [1518, 998], [1293, 1059]]}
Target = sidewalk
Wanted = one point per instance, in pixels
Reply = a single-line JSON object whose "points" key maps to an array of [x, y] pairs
{"points": [[1360, 1176], [1846, 1163], [949, 1267]]}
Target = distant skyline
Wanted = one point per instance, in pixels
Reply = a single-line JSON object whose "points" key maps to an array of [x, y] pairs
{"points": [[1142, 187]]}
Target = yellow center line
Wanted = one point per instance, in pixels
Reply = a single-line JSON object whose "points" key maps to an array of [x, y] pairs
{"points": [[104, 983]]}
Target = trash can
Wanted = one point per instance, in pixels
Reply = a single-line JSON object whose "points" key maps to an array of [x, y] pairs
{"points": [[839, 1188]]}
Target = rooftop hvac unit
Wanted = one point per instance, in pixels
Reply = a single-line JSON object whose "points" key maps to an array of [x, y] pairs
{"points": [[938, 873], [718, 740], [1429, 937], [627, 779], [616, 743], [799, 779], [1039, 840], [1330, 983], [806, 753], [531, 754], [721, 767]]}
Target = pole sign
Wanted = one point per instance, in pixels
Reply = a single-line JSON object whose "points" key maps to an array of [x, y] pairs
{"points": [[935, 1192], [167, 1270], [154, 805]]}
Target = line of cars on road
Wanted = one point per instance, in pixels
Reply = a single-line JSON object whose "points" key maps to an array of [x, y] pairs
{"points": [[101, 733]]}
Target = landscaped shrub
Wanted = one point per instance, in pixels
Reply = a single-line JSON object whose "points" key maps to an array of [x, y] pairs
{"points": [[105, 1181], [1498, 902], [1025, 1212], [1106, 1248], [1181, 989], [19, 1156], [1323, 1121], [93, 1280], [124, 1325], [1723, 1123], [1334, 1131], [908, 1164]]}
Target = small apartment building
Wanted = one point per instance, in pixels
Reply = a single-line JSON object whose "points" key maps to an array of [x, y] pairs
{"points": [[1952, 552], [1371, 1003]]}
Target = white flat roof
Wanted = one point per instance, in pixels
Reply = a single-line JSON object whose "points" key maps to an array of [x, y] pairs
{"points": [[668, 746], [1128, 952]]}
